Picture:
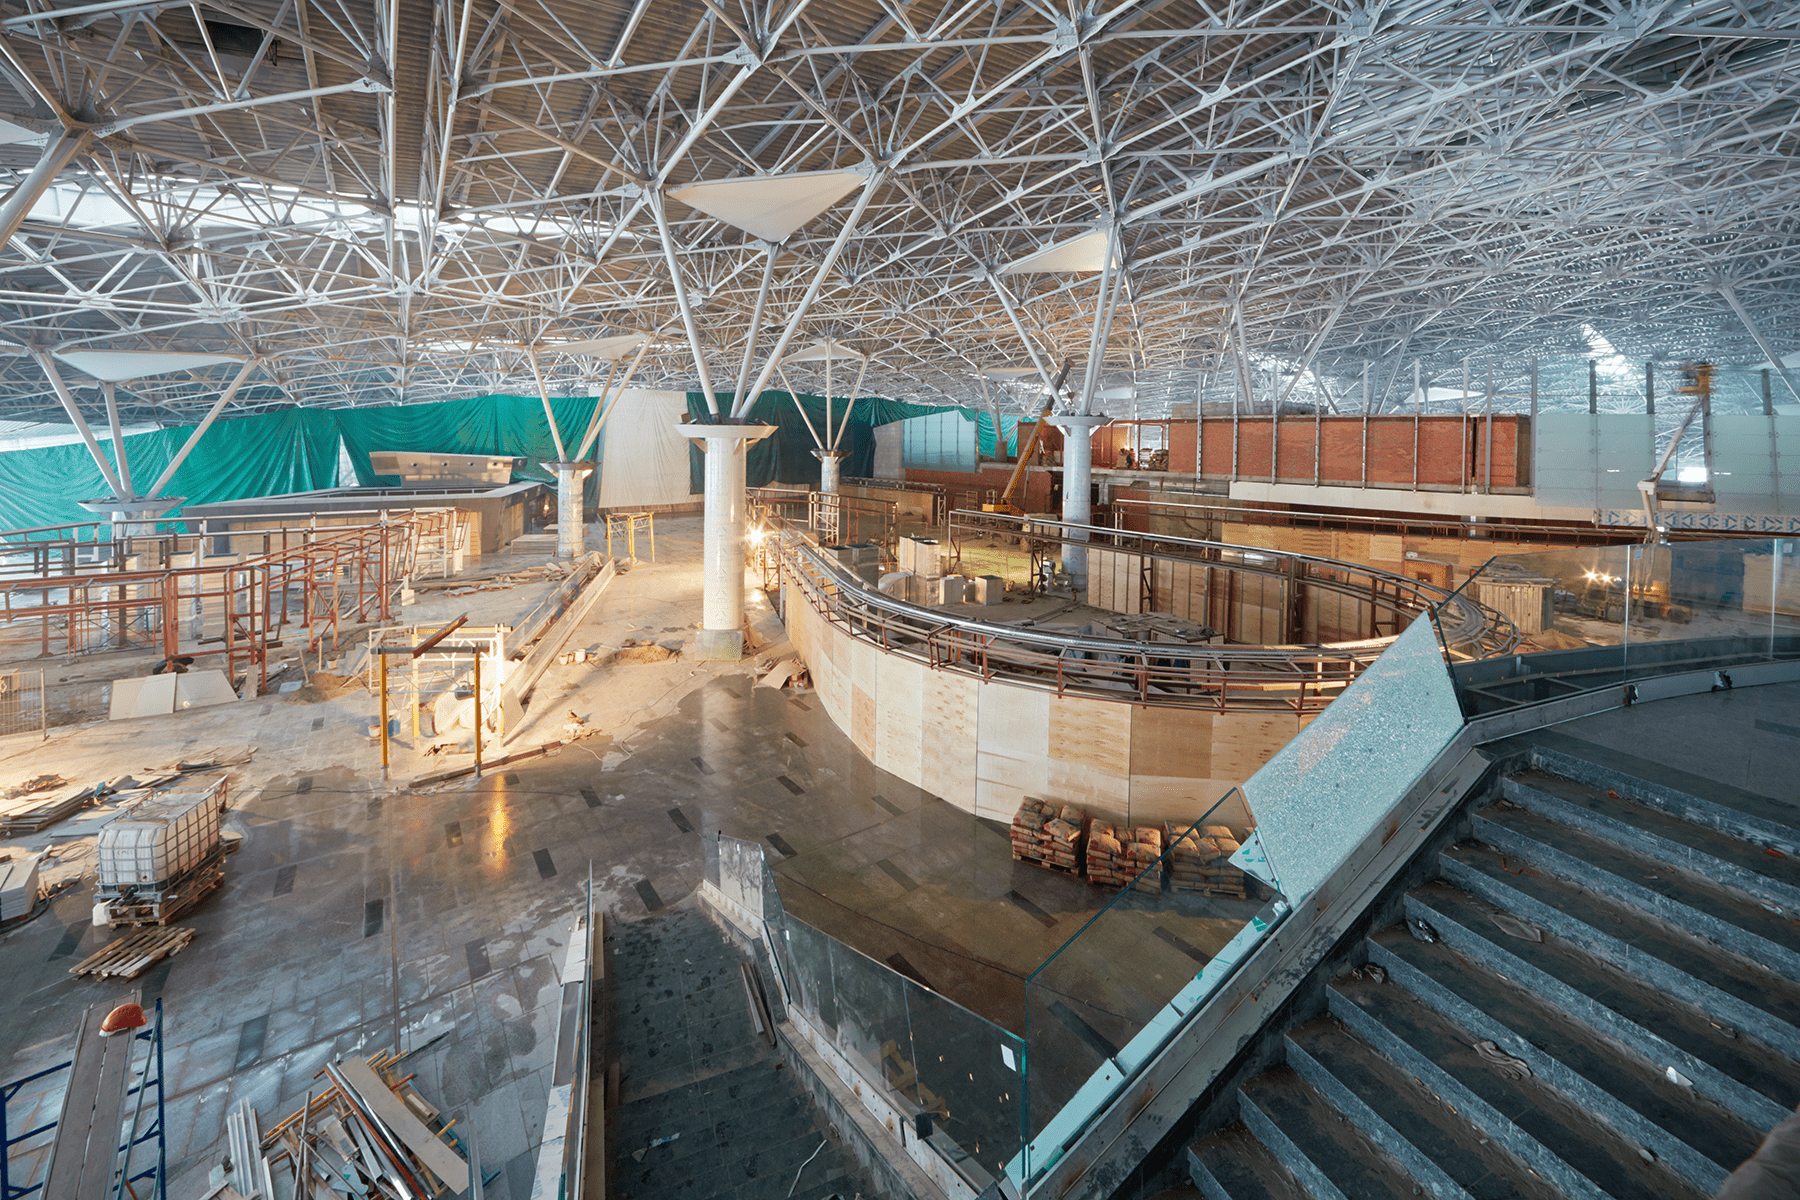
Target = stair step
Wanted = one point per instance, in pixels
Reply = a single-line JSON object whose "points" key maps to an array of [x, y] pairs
{"points": [[1563, 1142], [1233, 1165], [1696, 1135], [1745, 995], [1749, 1077], [1328, 1155], [1740, 924], [1771, 874], [1435, 1144], [1720, 806]]}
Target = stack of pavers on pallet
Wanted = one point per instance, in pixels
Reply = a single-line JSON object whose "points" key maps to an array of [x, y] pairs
{"points": [[1117, 855], [1201, 861], [1049, 836]]}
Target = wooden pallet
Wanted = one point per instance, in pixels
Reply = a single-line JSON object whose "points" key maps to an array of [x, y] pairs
{"points": [[129, 956]]}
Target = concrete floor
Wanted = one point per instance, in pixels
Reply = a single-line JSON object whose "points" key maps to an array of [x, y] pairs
{"points": [[360, 916]]}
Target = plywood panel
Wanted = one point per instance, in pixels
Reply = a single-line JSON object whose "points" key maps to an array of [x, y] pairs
{"points": [[1012, 749], [1089, 762], [830, 677], [1244, 741], [898, 700], [862, 722], [948, 729], [1155, 799], [1175, 742]]}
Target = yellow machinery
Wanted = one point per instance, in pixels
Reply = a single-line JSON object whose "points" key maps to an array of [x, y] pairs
{"points": [[1005, 504]]}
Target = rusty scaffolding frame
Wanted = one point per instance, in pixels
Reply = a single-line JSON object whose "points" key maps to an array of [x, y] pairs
{"points": [[316, 580]]}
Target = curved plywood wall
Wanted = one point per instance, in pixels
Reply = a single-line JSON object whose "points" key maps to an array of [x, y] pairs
{"points": [[986, 746]]}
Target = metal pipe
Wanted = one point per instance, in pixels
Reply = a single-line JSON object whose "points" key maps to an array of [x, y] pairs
{"points": [[544, 395], [756, 317], [679, 282], [600, 422], [81, 426], [812, 293], [193, 439], [124, 466], [58, 153]]}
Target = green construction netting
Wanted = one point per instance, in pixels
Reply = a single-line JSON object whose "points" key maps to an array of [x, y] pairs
{"points": [[295, 450], [266, 455], [785, 456], [479, 425]]}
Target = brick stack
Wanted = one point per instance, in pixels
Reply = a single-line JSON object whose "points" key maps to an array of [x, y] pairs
{"points": [[1049, 836], [1200, 861]]}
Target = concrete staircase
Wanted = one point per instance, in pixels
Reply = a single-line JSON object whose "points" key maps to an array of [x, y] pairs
{"points": [[1597, 997]]}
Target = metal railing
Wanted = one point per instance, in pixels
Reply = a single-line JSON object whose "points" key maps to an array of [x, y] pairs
{"points": [[1299, 679]]}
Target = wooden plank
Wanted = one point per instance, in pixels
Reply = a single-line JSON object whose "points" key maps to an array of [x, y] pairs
{"points": [[1089, 765], [947, 737], [898, 730], [443, 1162], [1244, 741], [1012, 749]]}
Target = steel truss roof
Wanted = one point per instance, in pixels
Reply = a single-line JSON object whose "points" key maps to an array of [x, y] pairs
{"points": [[390, 199]]}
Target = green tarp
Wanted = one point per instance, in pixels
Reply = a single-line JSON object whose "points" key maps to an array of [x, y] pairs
{"points": [[296, 450], [266, 455], [785, 456]]}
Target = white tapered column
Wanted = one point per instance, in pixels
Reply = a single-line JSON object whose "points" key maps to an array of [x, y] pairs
{"points": [[1078, 479], [829, 463], [570, 476], [721, 636]]}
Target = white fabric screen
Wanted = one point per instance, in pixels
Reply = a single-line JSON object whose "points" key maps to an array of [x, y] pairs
{"points": [[643, 460], [939, 442]]}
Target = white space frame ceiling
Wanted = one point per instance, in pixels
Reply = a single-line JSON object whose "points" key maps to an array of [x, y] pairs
{"points": [[389, 199]]}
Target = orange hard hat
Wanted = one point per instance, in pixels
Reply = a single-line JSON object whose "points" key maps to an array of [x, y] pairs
{"points": [[124, 1018]]}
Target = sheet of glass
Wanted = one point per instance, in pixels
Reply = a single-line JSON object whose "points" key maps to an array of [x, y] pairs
{"points": [[1624, 452], [1745, 456], [1323, 792], [1179, 905], [969, 1074]]}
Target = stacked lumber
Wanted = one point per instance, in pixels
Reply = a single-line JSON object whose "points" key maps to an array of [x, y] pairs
{"points": [[366, 1134], [1049, 836], [130, 956], [1201, 862]]}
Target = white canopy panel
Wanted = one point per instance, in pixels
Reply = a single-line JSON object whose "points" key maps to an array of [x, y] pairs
{"points": [[770, 207], [122, 366]]}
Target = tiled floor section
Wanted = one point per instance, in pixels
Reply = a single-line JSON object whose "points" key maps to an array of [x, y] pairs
{"points": [[707, 1109]]}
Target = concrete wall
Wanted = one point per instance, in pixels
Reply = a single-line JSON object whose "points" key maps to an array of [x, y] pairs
{"points": [[986, 746]]}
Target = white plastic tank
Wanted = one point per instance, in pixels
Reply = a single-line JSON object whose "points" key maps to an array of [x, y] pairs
{"points": [[160, 838]]}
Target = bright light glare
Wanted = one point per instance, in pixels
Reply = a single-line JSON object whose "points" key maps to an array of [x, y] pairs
{"points": [[1691, 475]]}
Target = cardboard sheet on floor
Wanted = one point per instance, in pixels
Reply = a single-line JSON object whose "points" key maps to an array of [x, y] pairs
{"points": [[202, 689], [146, 697]]}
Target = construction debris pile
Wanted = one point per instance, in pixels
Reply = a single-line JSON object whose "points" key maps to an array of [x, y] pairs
{"points": [[1049, 836], [1201, 861], [366, 1134]]}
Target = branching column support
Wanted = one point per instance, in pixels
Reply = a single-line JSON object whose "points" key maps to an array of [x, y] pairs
{"points": [[58, 154]]}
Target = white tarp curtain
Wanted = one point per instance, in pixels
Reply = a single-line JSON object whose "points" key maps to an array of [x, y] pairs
{"points": [[943, 441], [643, 460]]}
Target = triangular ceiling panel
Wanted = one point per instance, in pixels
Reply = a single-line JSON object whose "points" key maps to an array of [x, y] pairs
{"points": [[606, 347], [1084, 253], [770, 206], [817, 352], [122, 366]]}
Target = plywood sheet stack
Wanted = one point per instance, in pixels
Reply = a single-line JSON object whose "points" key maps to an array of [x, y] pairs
{"points": [[1048, 835], [1200, 861]]}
